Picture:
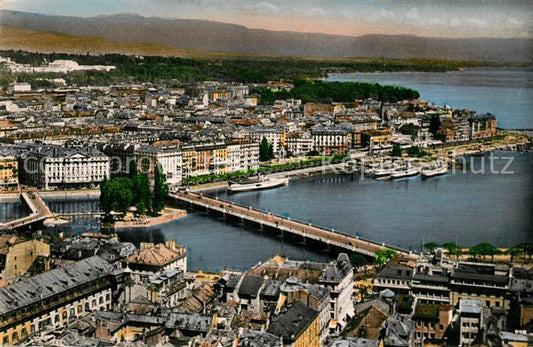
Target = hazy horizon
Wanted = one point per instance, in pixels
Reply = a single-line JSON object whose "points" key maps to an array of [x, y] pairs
{"points": [[458, 19]]}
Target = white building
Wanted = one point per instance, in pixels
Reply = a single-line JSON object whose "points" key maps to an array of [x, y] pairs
{"points": [[329, 141], [243, 156], [300, 145], [169, 157], [18, 87], [338, 278], [274, 136], [47, 166]]}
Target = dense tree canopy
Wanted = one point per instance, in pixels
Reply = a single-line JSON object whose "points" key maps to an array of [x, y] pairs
{"points": [[120, 193], [256, 70]]}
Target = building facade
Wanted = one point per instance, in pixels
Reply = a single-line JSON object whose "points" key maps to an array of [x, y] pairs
{"points": [[50, 167], [54, 298]]}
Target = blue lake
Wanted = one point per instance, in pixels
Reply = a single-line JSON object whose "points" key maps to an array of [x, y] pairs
{"points": [[506, 93]]}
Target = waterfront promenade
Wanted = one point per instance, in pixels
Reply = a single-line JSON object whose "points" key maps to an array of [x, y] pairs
{"points": [[307, 231]]}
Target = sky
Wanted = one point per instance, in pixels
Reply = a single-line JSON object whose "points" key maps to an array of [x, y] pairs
{"points": [[445, 18]]}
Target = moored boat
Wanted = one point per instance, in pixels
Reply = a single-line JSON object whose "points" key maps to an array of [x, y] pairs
{"points": [[435, 170], [261, 182], [405, 171]]}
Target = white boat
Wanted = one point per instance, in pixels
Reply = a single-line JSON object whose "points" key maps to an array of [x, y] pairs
{"points": [[435, 170], [381, 172], [262, 182], [405, 171], [384, 170]]}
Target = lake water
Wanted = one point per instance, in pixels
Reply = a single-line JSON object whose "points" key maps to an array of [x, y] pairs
{"points": [[506, 93], [466, 207]]}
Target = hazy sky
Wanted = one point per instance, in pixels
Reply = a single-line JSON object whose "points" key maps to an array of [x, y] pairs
{"points": [[474, 18]]}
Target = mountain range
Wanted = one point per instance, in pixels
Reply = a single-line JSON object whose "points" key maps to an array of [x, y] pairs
{"points": [[222, 37]]}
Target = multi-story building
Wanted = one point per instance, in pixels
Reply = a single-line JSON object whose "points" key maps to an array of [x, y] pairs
{"points": [[461, 128], [152, 259], [169, 157], [299, 144], [121, 155], [276, 137], [243, 156], [484, 282], [167, 288], [431, 322], [470, 320], [313, 295], [338, 278], [328, 141], [47, 167], [8, 172], [17, 255], [394, 276], [482, 126], [204, 159], [298, 325], [54, 298]]}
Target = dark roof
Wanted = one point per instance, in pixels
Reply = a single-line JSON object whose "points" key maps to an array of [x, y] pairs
{"points": [[458, 275], [430, 278], [396, 271], [253, 338], [271, 289], [50, 283], [250, 285], [290, 324], [336, 270]]}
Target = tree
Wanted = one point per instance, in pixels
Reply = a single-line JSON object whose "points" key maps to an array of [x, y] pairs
{"points": [[116, 194], [396, 150], [483, 249], [515, 252], [413, 151], [381, 256], [434, 124], [358, 260], [266, 150], [132, 167], [160, 189], [452, 247], [142, 195], [430, 246]]}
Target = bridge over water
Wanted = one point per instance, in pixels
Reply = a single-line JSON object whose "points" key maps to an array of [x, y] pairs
{"points": [[307, 231], [39, 212]]}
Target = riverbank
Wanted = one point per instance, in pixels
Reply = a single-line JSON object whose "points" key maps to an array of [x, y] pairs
{"points": [[55, 194], [169, 214]]}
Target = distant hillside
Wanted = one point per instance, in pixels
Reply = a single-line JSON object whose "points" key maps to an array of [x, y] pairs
{"points": [[12, 37], [215, 36]]}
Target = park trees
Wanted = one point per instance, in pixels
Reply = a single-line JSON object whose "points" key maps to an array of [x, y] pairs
{"points": [[120, 193]]}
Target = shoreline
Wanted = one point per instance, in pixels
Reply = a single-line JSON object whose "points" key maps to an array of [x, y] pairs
{"points": [[146, 223]]}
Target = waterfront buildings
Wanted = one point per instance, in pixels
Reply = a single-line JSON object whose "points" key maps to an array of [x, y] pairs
{"points": [[51, 166], [8, 172], [170, 159]]}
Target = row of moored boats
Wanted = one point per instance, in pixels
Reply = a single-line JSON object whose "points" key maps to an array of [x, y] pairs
{"points": [[383, 170], [395, 170]]}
